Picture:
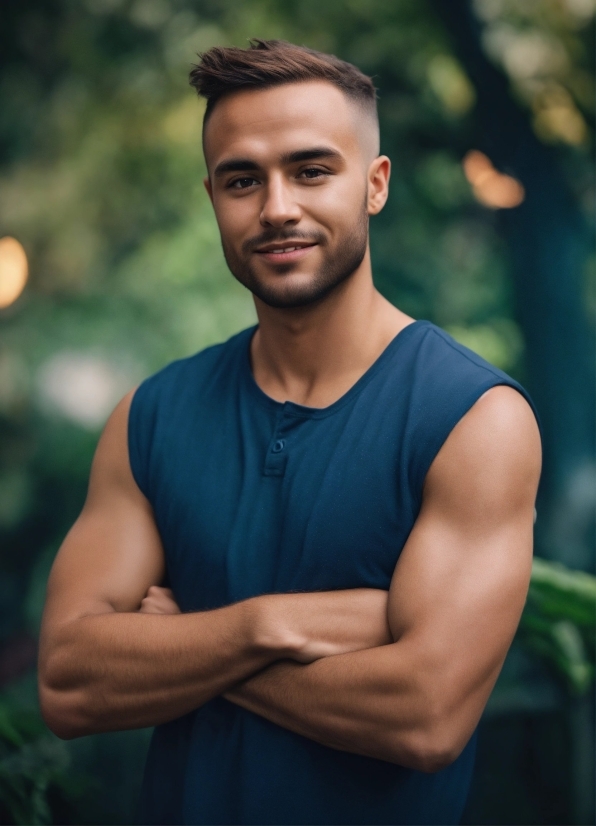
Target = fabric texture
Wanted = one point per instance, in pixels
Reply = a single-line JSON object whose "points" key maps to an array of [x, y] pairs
{"points": [[252, 496]]}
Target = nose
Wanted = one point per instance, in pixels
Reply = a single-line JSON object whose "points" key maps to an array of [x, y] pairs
{"points": [[280, 206]]}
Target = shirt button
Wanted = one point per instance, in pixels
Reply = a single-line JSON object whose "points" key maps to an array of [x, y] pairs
{"points": [[278, 446]]}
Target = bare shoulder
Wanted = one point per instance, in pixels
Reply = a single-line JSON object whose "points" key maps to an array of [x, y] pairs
{"points": [[504, 405], [494, 451], [500, 417], [111, 466]]}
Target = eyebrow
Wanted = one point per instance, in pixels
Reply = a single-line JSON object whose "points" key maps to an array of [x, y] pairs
{"points": [[248, 165]]}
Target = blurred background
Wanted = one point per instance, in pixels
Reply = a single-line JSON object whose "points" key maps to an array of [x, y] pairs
{"points": [[110, 266]]}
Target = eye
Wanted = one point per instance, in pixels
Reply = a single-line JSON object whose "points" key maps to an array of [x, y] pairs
{"points": [[242, 183], [312, 172]]}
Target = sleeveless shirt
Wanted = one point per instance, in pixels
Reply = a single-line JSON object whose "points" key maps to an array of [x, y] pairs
{"points": [[252, 496]]}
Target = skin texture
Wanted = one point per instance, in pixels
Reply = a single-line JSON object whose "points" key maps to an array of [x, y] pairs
{"points": [[402, 676]]}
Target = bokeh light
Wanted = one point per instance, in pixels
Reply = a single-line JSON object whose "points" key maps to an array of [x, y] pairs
{"points": [[451, 85], [491, 187], [556, 118], [83, 388], [13, 270]]}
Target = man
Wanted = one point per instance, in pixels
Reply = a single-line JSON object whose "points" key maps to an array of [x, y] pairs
{"points": [[340, 500]]}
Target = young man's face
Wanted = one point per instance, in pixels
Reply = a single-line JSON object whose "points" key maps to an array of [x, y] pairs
{"points": [[290, 180]]}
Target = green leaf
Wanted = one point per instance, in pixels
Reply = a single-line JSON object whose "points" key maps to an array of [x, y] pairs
{"points": [[558, 622], [8, 731]]}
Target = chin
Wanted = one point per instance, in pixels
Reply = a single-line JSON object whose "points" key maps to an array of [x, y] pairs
{"points": [[290, 296]]}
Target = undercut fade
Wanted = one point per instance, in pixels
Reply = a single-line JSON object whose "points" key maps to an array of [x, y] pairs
{"points": [[267, 63]]}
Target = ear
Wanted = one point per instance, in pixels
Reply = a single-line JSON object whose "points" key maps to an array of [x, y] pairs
{"points": [[379, 173], [207, 185]]}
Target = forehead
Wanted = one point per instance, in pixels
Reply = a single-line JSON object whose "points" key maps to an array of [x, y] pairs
{"points": [[262, 123]]}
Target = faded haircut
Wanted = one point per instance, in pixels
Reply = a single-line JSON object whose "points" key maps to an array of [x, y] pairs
{"points": [[266, 63]]}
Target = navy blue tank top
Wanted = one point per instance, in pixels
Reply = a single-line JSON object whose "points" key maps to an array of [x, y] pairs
{"points": [[252, 496]]}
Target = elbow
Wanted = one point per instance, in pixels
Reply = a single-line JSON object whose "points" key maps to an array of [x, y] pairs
{"points": [[432, 757], [61, 727], [63, 712], [62, 705], [430, 748], [437, 732], [59, 717]]}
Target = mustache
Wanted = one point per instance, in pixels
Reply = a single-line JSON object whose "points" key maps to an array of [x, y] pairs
{"points": [[269, 236]]}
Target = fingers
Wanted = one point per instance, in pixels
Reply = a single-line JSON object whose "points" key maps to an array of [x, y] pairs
{"points": [[159, 601]]}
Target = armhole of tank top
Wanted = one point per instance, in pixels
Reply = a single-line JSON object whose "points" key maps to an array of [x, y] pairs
{"points": [[466, 403], [135, 453]]}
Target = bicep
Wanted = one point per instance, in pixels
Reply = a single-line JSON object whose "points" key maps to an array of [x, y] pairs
{"points": [[460, 585], [113, 552]]}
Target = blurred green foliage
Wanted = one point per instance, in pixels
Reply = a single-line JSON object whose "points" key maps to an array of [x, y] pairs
{"points": [[559, 621], [45, 780], [101, 181], [33, 767]]}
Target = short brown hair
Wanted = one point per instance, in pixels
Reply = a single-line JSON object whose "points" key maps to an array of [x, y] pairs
{"points": [[266, 63]]}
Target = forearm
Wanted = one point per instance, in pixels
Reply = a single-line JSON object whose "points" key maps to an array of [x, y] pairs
{"points": [[127, 670], [367, 702]]}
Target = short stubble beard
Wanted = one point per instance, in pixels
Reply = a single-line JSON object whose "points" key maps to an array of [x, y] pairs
{"points": [[334, 270]]}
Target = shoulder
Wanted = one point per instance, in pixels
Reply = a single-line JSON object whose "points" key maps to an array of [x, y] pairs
{"points": [[444, 378], [447, 382], [193, 371], [110, 462], [180, 385], [451, 363], [493, 454], [478, 391], [166, 407]]}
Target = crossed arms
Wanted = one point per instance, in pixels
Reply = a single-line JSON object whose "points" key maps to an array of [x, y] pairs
{"points": [[401, 675]]}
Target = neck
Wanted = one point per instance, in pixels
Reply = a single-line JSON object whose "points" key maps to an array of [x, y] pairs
{"points": [[312, 355]]}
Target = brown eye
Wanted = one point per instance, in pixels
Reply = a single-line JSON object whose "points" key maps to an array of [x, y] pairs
{"points": [[312, 173], [242, 183]]}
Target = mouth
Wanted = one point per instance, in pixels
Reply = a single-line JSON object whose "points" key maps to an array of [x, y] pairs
{"points": [[284, 252]]}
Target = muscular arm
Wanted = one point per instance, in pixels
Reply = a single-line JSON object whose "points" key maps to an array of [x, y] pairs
{"points": [[455, 600], [104, 664]]}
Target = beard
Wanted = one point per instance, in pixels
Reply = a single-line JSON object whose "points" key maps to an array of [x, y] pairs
{"points": [[337, 266]]}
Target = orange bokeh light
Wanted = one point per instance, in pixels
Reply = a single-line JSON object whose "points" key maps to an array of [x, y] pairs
{"points": [[13, 270], [491, 187]]}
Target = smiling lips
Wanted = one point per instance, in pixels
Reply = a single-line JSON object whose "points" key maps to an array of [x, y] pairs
{"points": [[284, 253]]}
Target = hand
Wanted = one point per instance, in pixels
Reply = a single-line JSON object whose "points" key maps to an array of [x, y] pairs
{"points": [[159, 601]]}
